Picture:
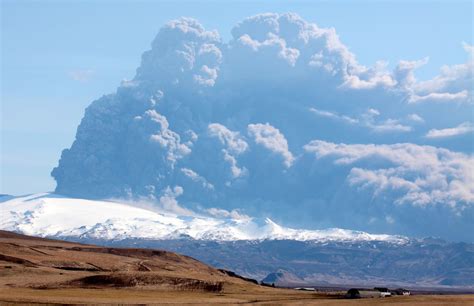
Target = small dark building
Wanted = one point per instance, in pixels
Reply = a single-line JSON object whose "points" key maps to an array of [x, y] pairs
{"points": [[381, 289], [353, 294]]}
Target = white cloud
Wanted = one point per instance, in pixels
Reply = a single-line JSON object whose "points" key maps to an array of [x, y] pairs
{"points": [[415, 118], [232, 140], [197, 178], [404, 72], [367, 119], [81, 75], [164, 137], [441, 97], [168, 202], [234, 168], [389, 125], [207, 77], [233, 214], [284, 46], [413, 174], [191, 137], [461, 129], [234, 144], [333, 115], [453, 84], [376, 78], [389, 219], [182, 54], [272, 139], [372, 112], [289, 55]]}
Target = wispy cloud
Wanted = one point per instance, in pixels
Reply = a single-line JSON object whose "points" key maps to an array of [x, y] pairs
{"points": [[441, 97], [234, 214], [367, 119], [461, 129], [333, 115], [415, 118], [272, 139], [81, 75]]}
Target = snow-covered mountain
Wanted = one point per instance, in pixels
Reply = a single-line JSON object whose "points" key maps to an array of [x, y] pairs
{"points": [[51, 215]]}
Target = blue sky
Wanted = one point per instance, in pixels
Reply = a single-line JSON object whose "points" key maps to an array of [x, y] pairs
{"points": [[57, 57]]}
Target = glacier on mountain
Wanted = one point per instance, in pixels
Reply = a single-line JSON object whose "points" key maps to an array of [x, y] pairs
{"points": [[50, 215]]}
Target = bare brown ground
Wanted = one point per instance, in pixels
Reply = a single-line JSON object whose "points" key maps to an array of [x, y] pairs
{"points": [[264, 297], [34, 270]]}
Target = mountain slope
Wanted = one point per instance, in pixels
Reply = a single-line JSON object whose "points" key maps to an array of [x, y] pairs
{"points": [[63, 264]]}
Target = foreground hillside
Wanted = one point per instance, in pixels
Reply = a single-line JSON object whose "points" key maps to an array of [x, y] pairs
{"points": [[45, 264], [37, 270]]}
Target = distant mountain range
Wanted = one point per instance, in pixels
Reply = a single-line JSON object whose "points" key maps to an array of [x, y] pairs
{"points": [[261, 250]]}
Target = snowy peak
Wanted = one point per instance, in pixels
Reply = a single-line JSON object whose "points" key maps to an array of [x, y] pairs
{"points": [[56, 216]]}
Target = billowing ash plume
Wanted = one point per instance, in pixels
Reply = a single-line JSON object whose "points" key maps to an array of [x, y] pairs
{"points": [[282, 121]]}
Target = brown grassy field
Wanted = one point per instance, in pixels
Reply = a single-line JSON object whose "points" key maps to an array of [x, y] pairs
{"points": [[256, 296], [34, 270]]}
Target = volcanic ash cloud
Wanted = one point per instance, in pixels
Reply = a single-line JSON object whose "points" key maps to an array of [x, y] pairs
{"points": [[281, 121]]}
